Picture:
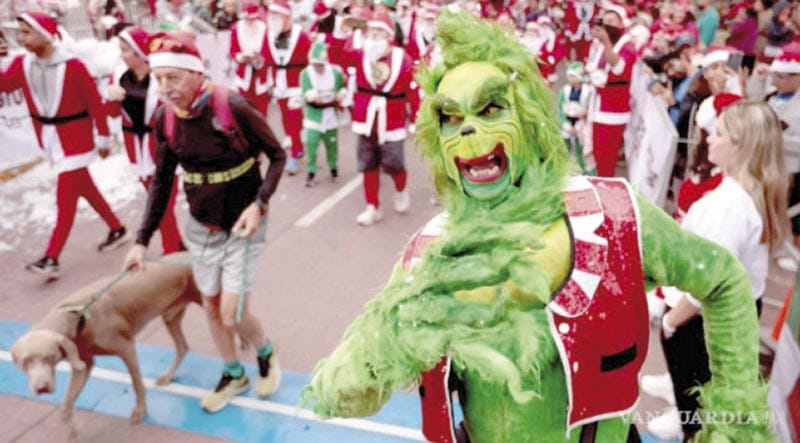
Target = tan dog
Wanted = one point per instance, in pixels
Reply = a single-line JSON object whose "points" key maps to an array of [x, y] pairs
{"points": [[114, 319]]}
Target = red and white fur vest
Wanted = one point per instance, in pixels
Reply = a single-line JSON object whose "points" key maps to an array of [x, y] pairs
{"points": [[598, 320]]}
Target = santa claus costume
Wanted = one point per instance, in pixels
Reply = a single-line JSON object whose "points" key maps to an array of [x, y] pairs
{"points": [[611, 109], [137, 109], [248, 51], [385, 89], [65, 107], [287, 54], [578, 18]]}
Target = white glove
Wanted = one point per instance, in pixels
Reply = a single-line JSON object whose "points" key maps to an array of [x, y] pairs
{"points": [[311, 95], [115, 93], [412, 128], [668, 330]]}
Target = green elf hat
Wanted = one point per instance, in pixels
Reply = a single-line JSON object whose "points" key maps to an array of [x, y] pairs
{"points": [[576, 69], [318, 53], [391, 4]]}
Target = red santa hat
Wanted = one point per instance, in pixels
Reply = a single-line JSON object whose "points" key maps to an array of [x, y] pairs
{"points": [[321, 10], [280, 7], [138, 39], [712, 108], [381, 21], [430, 10], [175, 50], [788, 61], [41, 23], [616, 8], [251, 10], [717, 53]]}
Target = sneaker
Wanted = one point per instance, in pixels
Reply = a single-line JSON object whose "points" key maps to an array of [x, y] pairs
{"points": [[659, 386], [291, 166], [402, 200], [226, 389], [115, 239], [370, 216], [334, 175], [310, 180], [667, 426], [269, 375], [47, 266]]}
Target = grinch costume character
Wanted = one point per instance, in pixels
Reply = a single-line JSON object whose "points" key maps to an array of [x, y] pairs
{"points": [[527, 295], [323, 88]]}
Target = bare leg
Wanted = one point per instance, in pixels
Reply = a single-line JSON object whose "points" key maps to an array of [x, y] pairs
{"points": [[249, 327], [173, 321], [223, 337], [128, 355]]}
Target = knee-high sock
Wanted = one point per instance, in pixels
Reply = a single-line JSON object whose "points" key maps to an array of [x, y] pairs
{"points": [[372, 182], [70, 186]]}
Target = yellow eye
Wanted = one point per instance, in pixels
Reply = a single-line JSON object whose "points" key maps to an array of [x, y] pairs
{"points": [[490, 110], [450, 119]]}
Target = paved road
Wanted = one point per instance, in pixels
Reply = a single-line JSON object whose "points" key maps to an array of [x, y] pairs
{"points": [[314, 278]]}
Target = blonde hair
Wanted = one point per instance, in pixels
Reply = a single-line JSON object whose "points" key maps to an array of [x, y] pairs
{"points": [[757, 164]]}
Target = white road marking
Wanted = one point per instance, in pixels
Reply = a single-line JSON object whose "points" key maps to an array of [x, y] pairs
{"points": [[325, 205], [249, 403]]}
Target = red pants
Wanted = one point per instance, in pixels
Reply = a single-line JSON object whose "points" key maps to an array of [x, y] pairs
{"points": [[170, 234], [292, 125], [607, 141], [72, 185]]}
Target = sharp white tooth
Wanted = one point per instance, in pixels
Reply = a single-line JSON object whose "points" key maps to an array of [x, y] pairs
{"points": [[491, 157]]}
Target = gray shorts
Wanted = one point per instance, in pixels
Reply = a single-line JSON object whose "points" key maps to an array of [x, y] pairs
{"points": [[224, 261], [372, 155]]}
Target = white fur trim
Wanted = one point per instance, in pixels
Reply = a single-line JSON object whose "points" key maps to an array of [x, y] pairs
{"points": [[785, 66], [279, 9], [380, 24], [127, 38], [716, 56], [174, 60], [35, 25]]}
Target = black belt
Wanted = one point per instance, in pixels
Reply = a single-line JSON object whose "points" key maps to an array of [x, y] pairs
{"points": [[60, 120], [138, 130], [322, 105], [381, 94], [291, 66], [618, 83]]}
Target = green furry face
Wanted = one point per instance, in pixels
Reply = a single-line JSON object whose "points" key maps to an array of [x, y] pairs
{"points": [[479, 130]]}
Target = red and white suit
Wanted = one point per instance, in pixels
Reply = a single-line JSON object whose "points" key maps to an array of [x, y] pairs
{"points": [[577, 21], [253, 82], [286, 65], [65, 131], [550, 55], [611, 108], [386, 106], [140, 147], [598, 320]]}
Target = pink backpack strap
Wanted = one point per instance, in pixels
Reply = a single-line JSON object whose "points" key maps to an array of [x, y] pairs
{"points": [[169, 125], [221, 101]]}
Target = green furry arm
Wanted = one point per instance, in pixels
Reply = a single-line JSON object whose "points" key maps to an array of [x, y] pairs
{"points": [[675, 257]]}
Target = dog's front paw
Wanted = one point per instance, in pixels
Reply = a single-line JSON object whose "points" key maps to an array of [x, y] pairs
{"points": [[138, 414]]}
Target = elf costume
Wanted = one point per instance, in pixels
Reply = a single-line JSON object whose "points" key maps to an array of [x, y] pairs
{"points": [[322, 91], [527, 296]]}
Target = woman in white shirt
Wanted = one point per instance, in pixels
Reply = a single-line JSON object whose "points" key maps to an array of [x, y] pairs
{"points": [[746, 214]]}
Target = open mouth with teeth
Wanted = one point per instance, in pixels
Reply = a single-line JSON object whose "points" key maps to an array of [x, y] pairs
{"points": [[484, 169]]}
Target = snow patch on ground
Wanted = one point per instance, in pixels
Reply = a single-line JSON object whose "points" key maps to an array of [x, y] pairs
{"points": [[29, 201]]}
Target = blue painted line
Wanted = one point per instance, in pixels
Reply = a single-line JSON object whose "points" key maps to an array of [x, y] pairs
{"points": [[182, 412]]}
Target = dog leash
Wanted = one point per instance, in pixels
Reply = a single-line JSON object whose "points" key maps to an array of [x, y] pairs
{"points": [[84, 314]]}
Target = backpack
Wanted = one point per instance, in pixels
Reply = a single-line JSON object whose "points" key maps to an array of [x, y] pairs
{"points": [[223, 120]]}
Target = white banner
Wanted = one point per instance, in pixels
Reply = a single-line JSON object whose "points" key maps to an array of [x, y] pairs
{"points": [[16, 132], [650, 142]]}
